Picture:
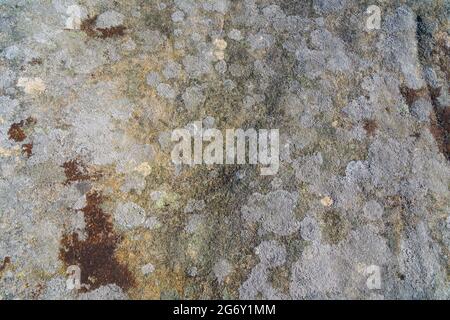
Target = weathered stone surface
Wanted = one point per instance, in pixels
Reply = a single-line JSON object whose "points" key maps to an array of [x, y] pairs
{"points": [[90, 92]]}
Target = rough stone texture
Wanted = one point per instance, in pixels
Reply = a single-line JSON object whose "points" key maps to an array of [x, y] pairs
{"points": [[90, 91]]}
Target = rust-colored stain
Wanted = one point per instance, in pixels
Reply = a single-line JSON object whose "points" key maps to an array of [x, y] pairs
{"points": [[16, 131], [27, 149], [439, 120], [6, 261], [112, 32], [88, 27], [35, 61], [76, 171], [96, 255], [440, 129], [412, 95], [370, 126]]}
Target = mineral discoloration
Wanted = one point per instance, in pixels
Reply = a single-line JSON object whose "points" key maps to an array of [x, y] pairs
{"points": [[88, 26], [96, 255], [364, 150], [17, 130]]}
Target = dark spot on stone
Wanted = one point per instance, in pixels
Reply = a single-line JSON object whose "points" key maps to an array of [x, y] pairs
{"points": [[415, 135], [439, 120], [412, 95], [401, 276], [6, 261], [96, 254], [370, 126], [334, 227], [35, 61], [440, 129], [16, 132], [88, 27], [27, 149], [76, 170], [159, 20], [118, 31]]}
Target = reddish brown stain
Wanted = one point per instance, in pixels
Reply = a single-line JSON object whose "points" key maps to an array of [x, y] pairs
{"points": [[440, 129], [412, 95], [27, 149], [6, 261], [112, 32], [370, 126], [16, 131], [76, 170], [35, 61], [439, 120], [88, 27], [96, 255]]}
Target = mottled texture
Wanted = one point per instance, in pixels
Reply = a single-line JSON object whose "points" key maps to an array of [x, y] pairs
{"points": [[90, 91]]}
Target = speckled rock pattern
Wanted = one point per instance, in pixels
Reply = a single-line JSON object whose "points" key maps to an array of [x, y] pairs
{"points": [[90, 91]]}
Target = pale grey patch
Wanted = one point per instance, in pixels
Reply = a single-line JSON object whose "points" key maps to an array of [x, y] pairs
{"points": [[399, 47], [229, 85], [388, 163], [209, 122], [164, 140], [221, 67], [275, 211], [310, 229], [315, 274], [220, 6], [422, 109], [193, 97], [307, 168], [108, 292], [260, 41], [235, 34], [7, 79], [151, 40], [196, 66], [194, 222], [166, 91], [151, 223], [188, 6], [109, 19], [194, 205], [373, 210], [178, 16], [359, 109], [129, 215], [133, 182], [328, 6], [419, 263], [172, 70], [56, 289], [271, 253], [153, 79], [221, 270], [147, 269]]}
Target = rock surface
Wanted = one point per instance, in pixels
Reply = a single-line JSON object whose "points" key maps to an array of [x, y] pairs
{"points": [[90, 91]]}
